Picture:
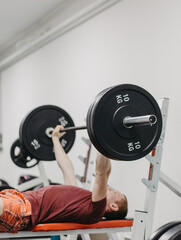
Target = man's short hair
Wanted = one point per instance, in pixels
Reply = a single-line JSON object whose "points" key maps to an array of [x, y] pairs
{"points": [[121, 213]]}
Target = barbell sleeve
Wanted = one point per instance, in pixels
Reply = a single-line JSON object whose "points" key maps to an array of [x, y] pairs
{"points": [[140, 120]]}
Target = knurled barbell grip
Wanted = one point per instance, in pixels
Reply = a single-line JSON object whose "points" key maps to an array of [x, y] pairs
{"points": [[50, 130], [73, 128]]}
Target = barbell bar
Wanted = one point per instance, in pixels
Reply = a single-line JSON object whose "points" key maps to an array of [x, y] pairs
{"points": [[127, 121]]}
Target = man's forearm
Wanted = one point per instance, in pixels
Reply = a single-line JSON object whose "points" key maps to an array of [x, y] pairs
{"points": [[103, 165], [103, 169], [64, 162]]}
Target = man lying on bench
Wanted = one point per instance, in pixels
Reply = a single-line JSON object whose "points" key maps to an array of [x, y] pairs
{"points": [[63, 203]]}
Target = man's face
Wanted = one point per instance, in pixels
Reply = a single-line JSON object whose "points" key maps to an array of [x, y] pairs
{"points": [[114, 196]]}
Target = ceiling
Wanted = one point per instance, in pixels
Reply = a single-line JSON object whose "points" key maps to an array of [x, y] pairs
{"points": [[18, 15], [26, 25]]}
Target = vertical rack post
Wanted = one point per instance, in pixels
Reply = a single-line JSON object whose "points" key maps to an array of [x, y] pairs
{"points": [[154, 173]]}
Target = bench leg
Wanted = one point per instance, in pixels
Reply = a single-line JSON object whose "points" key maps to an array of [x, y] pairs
{"points": [[72, 237], [85, 237], [113, 236]]}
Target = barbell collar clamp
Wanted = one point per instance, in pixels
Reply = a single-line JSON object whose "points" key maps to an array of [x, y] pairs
{"points": [[129, 122]]}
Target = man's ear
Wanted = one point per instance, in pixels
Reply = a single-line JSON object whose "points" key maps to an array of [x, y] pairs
{"points": [[114, 207]]}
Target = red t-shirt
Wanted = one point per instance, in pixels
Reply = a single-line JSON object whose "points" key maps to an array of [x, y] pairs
{"points": [[63, 203]]}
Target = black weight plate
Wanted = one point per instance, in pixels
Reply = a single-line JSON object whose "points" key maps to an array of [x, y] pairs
{"points": [[161, 230], [119, 142], [173, 234], [89, 121], [32, 131], [90, 128], [20, 158], [97, 144]]}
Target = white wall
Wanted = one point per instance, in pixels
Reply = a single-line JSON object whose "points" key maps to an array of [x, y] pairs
{"points": [[0, 117], [135, 41]]}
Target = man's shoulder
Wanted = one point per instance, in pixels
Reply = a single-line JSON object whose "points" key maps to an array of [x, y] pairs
{"points": [[97, 210]]}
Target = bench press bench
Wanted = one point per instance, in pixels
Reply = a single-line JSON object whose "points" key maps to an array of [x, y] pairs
{"points": [[58, 229]]}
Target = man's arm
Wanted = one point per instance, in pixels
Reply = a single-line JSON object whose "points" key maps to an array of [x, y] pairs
{"points": [[103, 169], [62, 158]]}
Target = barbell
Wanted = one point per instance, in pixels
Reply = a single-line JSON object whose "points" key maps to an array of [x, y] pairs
{"points": [[123, 122], [128, 122]]}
